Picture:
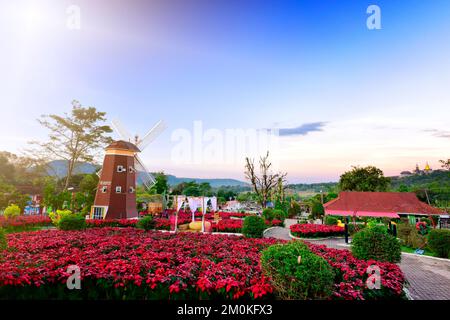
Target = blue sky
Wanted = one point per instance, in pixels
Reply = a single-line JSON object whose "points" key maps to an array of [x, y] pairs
{"points": [[375, 96]]}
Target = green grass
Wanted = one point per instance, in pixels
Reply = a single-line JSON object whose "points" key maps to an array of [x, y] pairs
{"points": [[427, 252]]}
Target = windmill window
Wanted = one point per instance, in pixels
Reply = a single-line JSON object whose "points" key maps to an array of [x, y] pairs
{"points": [[131, 190], [121, 169], [104, 189], [118, 189], [132, 170]]}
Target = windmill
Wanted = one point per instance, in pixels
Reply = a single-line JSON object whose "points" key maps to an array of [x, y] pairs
{"points": [[147, 179], [116, 197]]}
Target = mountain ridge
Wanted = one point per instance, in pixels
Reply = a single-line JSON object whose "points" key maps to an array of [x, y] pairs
{"points": [[58, 168]]}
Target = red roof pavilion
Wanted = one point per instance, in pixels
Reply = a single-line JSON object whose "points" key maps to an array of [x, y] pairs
{"points": [[378, 204]]}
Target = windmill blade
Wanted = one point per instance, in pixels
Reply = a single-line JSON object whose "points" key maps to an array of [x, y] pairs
{"points": [[147, 178], [119, 128], [99, 173], [154, 132]]}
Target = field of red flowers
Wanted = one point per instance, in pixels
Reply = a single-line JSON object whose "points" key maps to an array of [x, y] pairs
{"points": [[128, 263], [316, 230], [21, 223], [133, 264]]}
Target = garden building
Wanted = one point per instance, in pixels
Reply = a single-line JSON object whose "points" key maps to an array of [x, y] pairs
{"points": [[380, 204]]}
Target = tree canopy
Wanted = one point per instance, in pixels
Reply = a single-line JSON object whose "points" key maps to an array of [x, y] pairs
{"points": [[74, 137], [367, 178]]}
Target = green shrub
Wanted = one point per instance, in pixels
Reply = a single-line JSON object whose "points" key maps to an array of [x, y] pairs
{"points": [[146, 223], [3, 242], [294, 210], [60, 214], [331, 221], [439, 242], [72, 222], [374, 243], [410, 237], [296, 272], [12, 211], [317, 210], [253, 227], [278, 214], [354, 228], [267, 214]]}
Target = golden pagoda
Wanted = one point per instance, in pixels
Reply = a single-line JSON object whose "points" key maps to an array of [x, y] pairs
{"points": [[427, 168]]}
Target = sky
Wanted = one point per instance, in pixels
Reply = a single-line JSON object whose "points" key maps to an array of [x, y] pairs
{"points": [[337, 93]]}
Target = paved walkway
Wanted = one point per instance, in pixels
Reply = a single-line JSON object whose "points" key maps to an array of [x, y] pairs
{"points": [[429, 279]]}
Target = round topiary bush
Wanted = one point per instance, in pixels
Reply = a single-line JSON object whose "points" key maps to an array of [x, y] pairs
{"points": [[439, 242], [253, 227], [72, 222], [147, 223], [278, 214], [296, 272], [376, 244], [331, 221], [267, 214]]}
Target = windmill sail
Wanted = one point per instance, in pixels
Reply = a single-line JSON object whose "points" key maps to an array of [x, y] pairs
{"points": [[121, 131], [152, 134], [147, 179]]}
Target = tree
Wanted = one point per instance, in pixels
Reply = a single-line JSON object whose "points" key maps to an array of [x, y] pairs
{"points": [[75, 137], [445, 164], [368, 178], [161, 185], [317, 210], [264, 184], [205, 189], [86, 196]]}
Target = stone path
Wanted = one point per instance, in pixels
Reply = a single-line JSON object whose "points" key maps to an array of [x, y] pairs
{"points": [[429, 279]]}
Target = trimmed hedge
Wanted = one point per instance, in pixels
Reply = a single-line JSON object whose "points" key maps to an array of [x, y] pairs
{"points": [[296, 272], [374, 243], [253, 227], [331, 221], [146, 223], [439, 242], [72, 222]]}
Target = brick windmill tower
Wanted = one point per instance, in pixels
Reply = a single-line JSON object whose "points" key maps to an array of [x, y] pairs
{"points": [[116, 191]]}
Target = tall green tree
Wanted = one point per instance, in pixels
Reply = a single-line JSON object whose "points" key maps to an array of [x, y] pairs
{"points": [[161, 183], [74, 137], [368, 178]]}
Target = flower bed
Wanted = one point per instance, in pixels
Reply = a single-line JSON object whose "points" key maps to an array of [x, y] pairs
{"points": [[95, 223], [274, 223], [351, 276], [228, 225], [128, 263], [316, 230], [21, 223], [133, 264]]}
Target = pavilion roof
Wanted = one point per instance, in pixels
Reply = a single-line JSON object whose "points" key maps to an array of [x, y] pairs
{"points": [[379, 204]]}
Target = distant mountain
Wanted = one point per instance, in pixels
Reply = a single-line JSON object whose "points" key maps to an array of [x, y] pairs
{"points": [[58, 168], [215, 182]]}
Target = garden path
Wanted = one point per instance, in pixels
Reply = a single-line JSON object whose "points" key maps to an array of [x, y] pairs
{"points": [[428, 278]]}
